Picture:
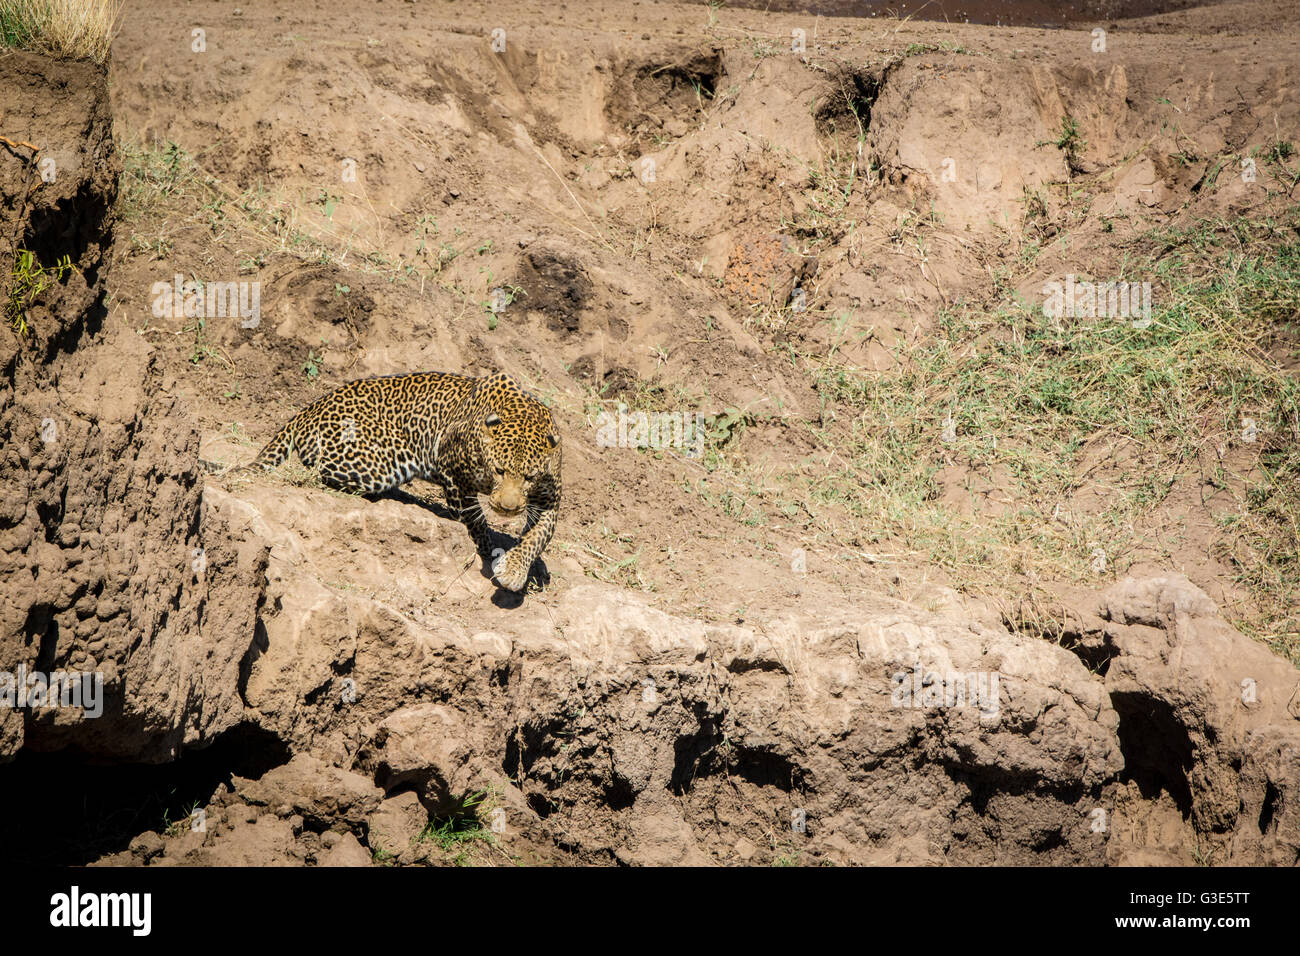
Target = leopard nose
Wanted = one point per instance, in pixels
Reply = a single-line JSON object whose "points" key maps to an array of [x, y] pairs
{"points": [[508, 496], [507, 504]]}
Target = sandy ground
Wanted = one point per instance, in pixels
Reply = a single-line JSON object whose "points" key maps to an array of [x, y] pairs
{"points": [[524, 171]]}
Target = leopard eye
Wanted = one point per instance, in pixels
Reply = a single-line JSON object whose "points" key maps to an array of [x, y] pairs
{"points": [[501, 471], [493, 419]]}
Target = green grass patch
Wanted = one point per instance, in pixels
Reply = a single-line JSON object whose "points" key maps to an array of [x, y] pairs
{"points": [[1083, 427], [457, 832]]}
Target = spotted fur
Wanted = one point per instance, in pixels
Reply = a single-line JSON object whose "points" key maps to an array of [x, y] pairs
{"points": [[472, 436]]}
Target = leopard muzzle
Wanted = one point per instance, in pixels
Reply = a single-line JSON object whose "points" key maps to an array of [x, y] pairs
{"points": [[508, 498]]}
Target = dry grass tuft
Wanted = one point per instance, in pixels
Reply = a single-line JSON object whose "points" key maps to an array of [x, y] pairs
{"points": [[73, 29]]}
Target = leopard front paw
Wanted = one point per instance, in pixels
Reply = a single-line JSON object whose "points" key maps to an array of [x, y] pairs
{"points": [[510, 570]]}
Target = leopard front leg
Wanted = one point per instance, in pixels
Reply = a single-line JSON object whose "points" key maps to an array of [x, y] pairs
{"points": [[470, 512], [512, 573]]}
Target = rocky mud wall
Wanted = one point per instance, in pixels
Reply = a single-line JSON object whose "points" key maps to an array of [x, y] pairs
{"points": [[106, 568], [621, 733]]}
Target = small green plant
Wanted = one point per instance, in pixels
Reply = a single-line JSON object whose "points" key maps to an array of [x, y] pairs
{"points": [[172, 827], [311, 367], [1280, 151], [501, 298], [202, 350], [1035, 206], [152, 175], [28, 280], [327, 202], [701, 93], [913, 49], [720, 429], [1070, 142], [461, 827]]}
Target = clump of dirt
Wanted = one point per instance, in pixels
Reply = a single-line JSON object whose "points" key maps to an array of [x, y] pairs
{"points": [[764, 270], [555, 284]]}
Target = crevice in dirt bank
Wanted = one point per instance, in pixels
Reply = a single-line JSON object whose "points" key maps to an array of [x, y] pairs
{"points": [[67, 339], [1067, 631], [537, 742], [70, 226], [695, 755], [618, 794], [1268, 811], [765, 768], [1095, 657], [651, 93], [1156, 747], [63, 809], [1001, 810], [761, 768], [845, 111], [985, 784]]}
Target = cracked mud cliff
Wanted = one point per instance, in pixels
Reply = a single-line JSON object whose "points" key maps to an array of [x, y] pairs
{"points": [[868, 553]]}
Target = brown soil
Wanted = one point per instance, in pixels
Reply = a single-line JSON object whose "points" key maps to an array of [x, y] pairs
{"points": [[525, 170], [529, 178]]}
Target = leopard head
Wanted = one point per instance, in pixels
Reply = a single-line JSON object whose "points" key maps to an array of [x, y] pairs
{"points": [[518, 441]]}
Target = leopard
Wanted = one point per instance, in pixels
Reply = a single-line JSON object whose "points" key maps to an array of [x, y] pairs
{"points": [[471, 435]]}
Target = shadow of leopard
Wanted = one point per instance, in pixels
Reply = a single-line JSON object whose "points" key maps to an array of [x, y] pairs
{"points": [[472, 436]]}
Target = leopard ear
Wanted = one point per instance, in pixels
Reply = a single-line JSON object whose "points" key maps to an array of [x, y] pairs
{"points": [[552, 440]]}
